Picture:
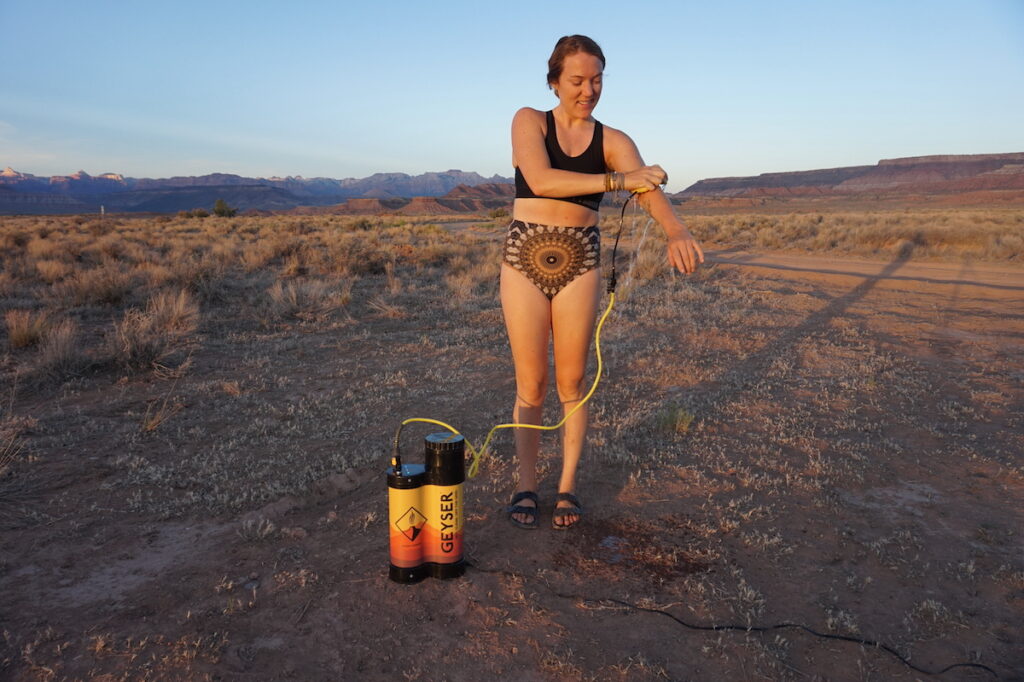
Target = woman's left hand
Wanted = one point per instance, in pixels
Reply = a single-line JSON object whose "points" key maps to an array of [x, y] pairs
{"points": [[684, 253]]}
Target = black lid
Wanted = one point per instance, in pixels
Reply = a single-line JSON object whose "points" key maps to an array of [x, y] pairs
{"points": [[445, 442], [445, 458]]}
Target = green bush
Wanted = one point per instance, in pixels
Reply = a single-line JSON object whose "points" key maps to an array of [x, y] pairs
{"points": [[222, 210]]}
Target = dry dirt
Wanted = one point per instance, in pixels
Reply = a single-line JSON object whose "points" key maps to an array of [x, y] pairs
{"points": [[853, 464]]}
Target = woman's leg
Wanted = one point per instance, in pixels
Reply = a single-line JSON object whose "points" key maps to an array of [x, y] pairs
{"points": [[573, 312], [528, 321]]}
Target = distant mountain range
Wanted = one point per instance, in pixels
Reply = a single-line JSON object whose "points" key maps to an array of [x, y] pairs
{"points": [[81, 192], [977, 178]]}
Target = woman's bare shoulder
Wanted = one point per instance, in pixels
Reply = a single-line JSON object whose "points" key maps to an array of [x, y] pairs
{"points": [[620, 151], [616, 137], [528, 115]]}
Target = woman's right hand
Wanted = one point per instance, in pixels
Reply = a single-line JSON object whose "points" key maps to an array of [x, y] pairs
{"points": [[645, 178]]}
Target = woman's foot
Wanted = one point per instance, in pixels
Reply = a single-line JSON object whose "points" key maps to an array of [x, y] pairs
{"points": [[568, 511], [522, 510]]}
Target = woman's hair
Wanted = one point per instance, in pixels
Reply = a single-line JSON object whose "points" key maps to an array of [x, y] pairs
{"points": [[567, 46]]}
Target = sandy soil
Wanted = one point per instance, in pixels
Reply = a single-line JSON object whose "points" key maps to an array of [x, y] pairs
{"points": [[854, 465]]}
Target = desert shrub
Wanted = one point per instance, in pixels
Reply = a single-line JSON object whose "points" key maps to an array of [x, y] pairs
{"points": [[359, 254], [13, 240], [255, 256], [301, 227], [111, 247], [438, 252], [155, 274], [224, 253], [25, 328], [307, 299], [926, 233], [202, 275], [1006, 247], [424, 230], [222, 210], [105, 285], [674, 419], [8, 285], [200, 213], [53, 270], [269, 247], [282, 244], [295, 265], [59, 353], [363, 224], [468, 274], [40, 249], [158, 335], [99, 228]]}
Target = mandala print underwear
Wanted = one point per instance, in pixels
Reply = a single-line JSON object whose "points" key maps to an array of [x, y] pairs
{"points": [[551, 257]]}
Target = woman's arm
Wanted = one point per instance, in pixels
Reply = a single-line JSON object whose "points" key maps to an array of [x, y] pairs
{"points": [[684, 253], [531, 157]]}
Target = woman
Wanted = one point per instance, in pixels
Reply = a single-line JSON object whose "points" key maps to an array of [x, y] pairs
{"points": [[550, 281]]}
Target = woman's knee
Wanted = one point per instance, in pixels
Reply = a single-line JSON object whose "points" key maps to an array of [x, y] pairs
{"points": [[570, 388], [531, 393]]}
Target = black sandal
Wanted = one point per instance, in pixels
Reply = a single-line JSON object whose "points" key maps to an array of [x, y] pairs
{"points": [[514, 508], [561, 512]]}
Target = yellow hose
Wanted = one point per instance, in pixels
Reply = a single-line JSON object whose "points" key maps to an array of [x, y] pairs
{"points": [[479, 453]]}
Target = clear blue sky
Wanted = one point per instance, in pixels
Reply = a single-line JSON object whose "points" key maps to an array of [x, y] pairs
{"points": [[339, 89]]}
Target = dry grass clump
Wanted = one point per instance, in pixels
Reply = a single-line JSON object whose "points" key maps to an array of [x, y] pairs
{"points": [[13, 239], [306, 299], [202, 275], [674, 419], [10, 446], [44, 249], [8, 284], [255, 257], [359, 254], [156, 275], [60, 355], [159, 335], [25, 328], [471, 274], [53, 270], [107, 284]]}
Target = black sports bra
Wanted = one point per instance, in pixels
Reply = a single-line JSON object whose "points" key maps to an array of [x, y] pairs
{"points": [[590, 161]]}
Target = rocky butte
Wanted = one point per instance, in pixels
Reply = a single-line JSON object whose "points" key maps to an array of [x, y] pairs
{"points": [[947, 179]]}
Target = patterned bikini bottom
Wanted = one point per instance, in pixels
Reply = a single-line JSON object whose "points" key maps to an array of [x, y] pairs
{"points": [[550, 256]]}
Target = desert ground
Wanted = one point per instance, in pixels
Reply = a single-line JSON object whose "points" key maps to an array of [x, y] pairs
{"points": [[806, 461]]}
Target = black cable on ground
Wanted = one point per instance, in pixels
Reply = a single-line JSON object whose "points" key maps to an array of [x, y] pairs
{"points": [[729, 627]]}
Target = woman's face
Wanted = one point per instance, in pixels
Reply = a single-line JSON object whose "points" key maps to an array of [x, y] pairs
{"points": [[579, 86]]}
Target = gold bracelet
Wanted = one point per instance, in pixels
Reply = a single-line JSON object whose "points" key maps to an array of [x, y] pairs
{"points": [[620, 179], [608, 182]]}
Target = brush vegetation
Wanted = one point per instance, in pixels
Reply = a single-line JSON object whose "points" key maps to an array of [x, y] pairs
{"points": [[992, 235], [762, 450]]}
